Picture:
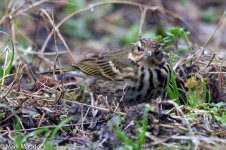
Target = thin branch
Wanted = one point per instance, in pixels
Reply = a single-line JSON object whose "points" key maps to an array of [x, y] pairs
{"points": [[218, 25], [143, 15], [99, 108], [58, 33], [19, 11]]}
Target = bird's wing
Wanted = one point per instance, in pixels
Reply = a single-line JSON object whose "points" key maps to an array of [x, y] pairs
{"points": [[99, 67]]}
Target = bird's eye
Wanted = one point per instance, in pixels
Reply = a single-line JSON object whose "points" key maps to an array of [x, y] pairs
{"points": [[159, 54], [138, 48]]}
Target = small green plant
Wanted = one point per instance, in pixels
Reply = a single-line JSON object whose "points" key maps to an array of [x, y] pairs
{"points": [[6, 54], [140, 134], [49, 141], [6, 57], [197, 92], [172, 88], [17, 135], [193, 97], [175, 37], [213, 111], [218, 111]]}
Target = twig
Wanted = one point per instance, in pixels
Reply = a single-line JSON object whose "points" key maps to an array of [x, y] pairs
{"points": [[99, 108], [43, 53], [143, 15], [203, 138], [210, 61], [58, 33], [41, 120], [52, 126], [218, 25], [180, 111], [19, 11]]}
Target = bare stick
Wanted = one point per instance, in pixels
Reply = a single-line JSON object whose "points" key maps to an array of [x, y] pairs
{"points": [[218, 25], [143, 15]]}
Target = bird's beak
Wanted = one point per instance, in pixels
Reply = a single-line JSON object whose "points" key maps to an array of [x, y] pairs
{"points": [[148, 53]]}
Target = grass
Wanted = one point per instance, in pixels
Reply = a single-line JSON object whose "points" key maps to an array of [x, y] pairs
{"points": [[173, 37], [19, 138], [140, 134], [17, 135], [197, 92], [172, 88], [6, 56], [49, 141]]}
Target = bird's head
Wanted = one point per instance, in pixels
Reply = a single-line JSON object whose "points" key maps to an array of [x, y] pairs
{"points": [[146, 51]]}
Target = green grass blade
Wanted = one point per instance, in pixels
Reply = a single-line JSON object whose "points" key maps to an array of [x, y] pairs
{"points": [[174, 92], [141, 135], [35, 132], [122, 136], [18, 138], [49, 141], [8, 49]]}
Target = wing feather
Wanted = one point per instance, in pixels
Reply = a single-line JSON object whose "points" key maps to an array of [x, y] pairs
{"points": [[100, 68]]}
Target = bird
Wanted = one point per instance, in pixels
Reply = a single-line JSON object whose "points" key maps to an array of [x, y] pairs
{"points": [[133, 75]]}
